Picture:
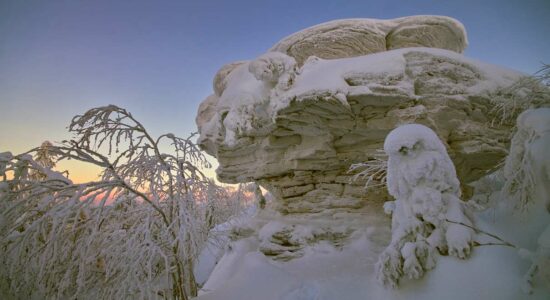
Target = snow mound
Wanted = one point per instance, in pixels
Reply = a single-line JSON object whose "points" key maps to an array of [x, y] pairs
{"points": [[348, 274], [268, 281]]}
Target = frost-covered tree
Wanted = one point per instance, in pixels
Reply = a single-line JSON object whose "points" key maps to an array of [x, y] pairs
{"points": [[227, 202], [527, 167], [527, 181], [135, 233], [44, 157], [259, 196], [422, 179]]}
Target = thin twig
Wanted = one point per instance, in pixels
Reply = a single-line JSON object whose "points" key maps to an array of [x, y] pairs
{"points": [[478, 244], [477, 230]]}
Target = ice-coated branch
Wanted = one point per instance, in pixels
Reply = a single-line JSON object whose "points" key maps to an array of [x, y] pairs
{"points": [[373, 170], [477, 230]]}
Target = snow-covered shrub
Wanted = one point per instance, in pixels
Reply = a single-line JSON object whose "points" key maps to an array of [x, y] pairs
{"points": [[259, 196], [135, 233], [527, 167], [373, 170], [422, 179], [544, 75], [229, 202], [528, 92], [527, 181]]}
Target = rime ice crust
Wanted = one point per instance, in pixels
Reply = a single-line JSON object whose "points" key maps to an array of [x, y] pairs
{"points": [[357, 37], [422, 179]]}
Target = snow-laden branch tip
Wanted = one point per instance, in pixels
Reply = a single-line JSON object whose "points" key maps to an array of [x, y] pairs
{"points": [[373, 171], [527, 92]]}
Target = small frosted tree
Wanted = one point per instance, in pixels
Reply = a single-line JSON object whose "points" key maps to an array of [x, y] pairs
{"points": [[45, 158], [527, 182], [422, 179], [259, 196], [232, 203], [527, 167], [135, 233]]}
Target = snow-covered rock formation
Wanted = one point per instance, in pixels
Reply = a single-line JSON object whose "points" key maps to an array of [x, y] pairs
{"points": [[296, 118], [294, 123]]}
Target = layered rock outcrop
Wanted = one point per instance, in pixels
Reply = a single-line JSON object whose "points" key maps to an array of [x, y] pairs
{"points": [[295, 122]]}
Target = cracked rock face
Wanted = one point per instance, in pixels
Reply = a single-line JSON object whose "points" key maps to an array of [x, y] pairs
{"points": [[295, 122]]}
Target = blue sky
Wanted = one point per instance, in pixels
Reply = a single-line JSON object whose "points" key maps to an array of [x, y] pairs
{"points": [[158, 58]]}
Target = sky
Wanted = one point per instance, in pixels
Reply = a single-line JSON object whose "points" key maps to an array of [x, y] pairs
{"points": [[157, 58]]}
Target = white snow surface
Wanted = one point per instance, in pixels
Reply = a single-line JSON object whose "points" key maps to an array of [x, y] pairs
{"points": [[216, 245], [325, 272], [319, 74]]}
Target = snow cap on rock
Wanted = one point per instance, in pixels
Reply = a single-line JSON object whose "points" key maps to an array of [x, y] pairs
{"points": [[409, 135]]}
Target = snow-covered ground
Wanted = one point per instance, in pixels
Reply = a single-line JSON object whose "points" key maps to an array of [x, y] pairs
{"points": [[325, 272], [217, 244]]}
